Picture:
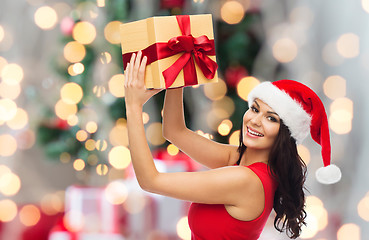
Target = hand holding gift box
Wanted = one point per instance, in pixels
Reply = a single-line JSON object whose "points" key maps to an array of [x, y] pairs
{"points": [[180, 49]]}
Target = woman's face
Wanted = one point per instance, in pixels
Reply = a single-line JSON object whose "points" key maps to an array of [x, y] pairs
{"points": [[260, 126]]}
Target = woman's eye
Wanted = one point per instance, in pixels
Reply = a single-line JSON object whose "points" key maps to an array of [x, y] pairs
{"points": [[254, 109], [273, 119]]}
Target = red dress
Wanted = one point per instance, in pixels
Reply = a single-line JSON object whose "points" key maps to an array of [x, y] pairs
{"points": [[213, 222]]}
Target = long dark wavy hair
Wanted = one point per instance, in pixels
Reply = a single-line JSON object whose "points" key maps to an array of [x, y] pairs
{"points": [[289, 170]]}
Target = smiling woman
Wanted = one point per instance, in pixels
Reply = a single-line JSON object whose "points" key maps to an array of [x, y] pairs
{"points": [[233, 199]]}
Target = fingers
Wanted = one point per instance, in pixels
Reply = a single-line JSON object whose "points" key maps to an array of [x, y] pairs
{"points": [[141, 70], [137, 66]]}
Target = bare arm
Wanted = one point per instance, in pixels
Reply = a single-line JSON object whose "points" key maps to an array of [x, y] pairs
{"points": [[227, 185], [199, 148]]}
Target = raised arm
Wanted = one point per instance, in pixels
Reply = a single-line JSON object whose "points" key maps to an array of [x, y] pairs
{"points": [[203, 150]]}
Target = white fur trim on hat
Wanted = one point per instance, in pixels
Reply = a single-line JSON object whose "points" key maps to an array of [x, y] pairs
{"points": [[329, 174], [291, 112]]}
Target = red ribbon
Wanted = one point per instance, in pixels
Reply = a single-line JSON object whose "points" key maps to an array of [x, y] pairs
{"points": [[197, 49]]}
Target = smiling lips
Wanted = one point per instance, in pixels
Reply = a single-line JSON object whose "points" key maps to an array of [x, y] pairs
{"points": [[254, 133]]}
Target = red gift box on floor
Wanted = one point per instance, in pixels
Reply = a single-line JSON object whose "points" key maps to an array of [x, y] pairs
{"points": [[180, 49]]}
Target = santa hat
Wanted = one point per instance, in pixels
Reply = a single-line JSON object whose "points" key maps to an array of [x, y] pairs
{"points": [[302, 111]]}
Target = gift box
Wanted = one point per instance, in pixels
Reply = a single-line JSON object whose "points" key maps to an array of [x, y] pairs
{"points": [[180, 49]]}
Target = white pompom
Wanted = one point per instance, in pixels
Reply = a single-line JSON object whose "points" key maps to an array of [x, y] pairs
{"points": [[329, 174]]}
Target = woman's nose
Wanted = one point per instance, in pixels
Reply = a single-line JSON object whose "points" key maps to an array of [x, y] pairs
{"points": [[256, 119]]}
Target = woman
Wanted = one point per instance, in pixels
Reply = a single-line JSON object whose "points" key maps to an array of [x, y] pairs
{"points": [[234, 198]]}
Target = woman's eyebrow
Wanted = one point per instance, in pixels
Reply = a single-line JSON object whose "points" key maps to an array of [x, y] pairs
{"points": [[257, 104]]}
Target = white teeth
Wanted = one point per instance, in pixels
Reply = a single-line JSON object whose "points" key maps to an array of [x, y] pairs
{"points": [[254, 133]]}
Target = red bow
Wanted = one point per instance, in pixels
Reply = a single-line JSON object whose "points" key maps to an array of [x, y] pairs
{"points": [[200, 48]]}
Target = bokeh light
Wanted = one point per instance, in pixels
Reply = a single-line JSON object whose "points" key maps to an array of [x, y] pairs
{"points": [[63, 110], [285, 50], [10, 184], [74, 52], [71, 93], [172, 150], [225, 127], [116, 192], [45, 18], [348, 45], [52, 204], [215, 91], [29, 215], [10, 91], [65, 157], [2, 33], [8, 109], [101, 145], [183, 229], [79, 164], [81, 135], [84, 32], [91, 127], [119, 157], [116, 85], [90, 144], [245, 85], [78, 68], [363, 208], [102, 169], [8, 145], [135, 202], [98, 90], [112, 32], [304, 153], [25, 139], [232, 12], [335, 87], [12, 74], [330, 54], [365, 5], [349, 231], [105, 58], [234, 139], [154, 134], [340, 119], [8, 210], [118, 135]]}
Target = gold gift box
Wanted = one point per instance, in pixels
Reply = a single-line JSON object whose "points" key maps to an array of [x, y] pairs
{"points": [[140, 34]]}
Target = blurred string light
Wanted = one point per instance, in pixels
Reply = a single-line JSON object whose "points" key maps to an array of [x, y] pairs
{"points": [[119, 157], [105, 58], [116, 85], [285, 50], [100, 3], [71, 93], [183, 229], [348, 45], [52, 203], [172, 150], [90, 145], [340, 119], [45, 18], [91, 127], [316, 217], [29, 215], [232, 12], [349, 231], [215, 91], [363, 208], [8, 145], [365, 5], [8, 109], [74, 51], [245, 85], [79, 164], [8, 210], [112, 32], [2, 33], [330, 54], [342, 108], [102, 169], [92, 159], [101, 145], [225, 127], [116, 192], [234, 139], [118, 135], [154, 134], [64, 110], [135, 202], [65, 157], [84, 32], [99, 90], [10, 91], [304, 153], [12, 74]]}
